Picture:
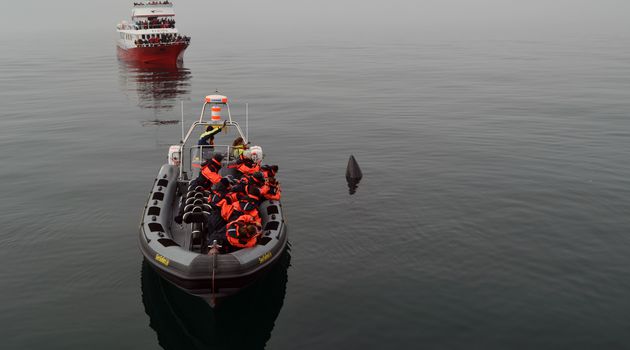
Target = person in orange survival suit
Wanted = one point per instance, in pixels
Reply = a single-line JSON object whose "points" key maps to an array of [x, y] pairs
{"points": [[271, 189], [230, 210], [245, 165], [243, 232], [209, 174], [247, 184], [269, 170], [249, 162], [248, 205]]}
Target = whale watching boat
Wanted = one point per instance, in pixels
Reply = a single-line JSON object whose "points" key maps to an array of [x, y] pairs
{"points": [[181, 250], [151, 36]]}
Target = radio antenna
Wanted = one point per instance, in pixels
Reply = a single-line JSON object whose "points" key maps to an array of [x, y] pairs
{"points": [[182, 101]]}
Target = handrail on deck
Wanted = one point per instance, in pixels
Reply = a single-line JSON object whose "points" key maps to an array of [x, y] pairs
{"points": [[141, 4], [229, 148]]}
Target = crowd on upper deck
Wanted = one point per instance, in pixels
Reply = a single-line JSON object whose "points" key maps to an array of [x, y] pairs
{"points": [[152, 39], [166, 2], [155, 23]]}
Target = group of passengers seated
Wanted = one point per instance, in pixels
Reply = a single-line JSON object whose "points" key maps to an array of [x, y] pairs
{"points": [[154, 39], [234, 200], [155, 23], [165, 2]]}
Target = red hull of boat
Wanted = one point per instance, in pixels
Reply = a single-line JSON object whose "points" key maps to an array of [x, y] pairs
{"points": [[167, 54]]}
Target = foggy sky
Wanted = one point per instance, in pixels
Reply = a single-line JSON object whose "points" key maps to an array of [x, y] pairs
{"points": [[296, 20]]}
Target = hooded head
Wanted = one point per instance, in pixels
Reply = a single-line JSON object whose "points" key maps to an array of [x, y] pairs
{"points": [[258, 178]]}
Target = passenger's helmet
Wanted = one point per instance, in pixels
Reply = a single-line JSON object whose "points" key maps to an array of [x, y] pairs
{"points": [[256, 154]]}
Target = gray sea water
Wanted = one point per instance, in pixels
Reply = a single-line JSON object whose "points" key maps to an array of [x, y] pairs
{"points": [[493, 212]]}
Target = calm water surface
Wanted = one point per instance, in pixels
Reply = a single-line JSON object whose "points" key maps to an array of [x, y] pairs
{"points": [[493, 212]]}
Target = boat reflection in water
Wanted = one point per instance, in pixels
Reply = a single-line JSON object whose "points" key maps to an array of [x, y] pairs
{"points": [[243, 321], [154, 86]]}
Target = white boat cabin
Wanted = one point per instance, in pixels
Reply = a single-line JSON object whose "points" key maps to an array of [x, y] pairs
{"points": [[152, 24]]}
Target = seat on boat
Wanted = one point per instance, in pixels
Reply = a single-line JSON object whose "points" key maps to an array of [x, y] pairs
{"points": [[204, 207], [197, 194], [196, 216]]}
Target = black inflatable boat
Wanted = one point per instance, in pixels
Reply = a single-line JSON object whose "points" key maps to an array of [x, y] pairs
{"points": [[179, 252]]}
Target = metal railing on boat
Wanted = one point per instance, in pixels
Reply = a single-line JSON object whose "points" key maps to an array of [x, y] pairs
{"points": [[198, 154], [163, 44]]}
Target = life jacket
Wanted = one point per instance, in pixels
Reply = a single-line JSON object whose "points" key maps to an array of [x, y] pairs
{"points": [[257, 179], [268, 170], [248, 170], [218, 196], [225, 204], [246, 166], [210, 171], [238, 208], [247, 191], [253, 194], [238, 150], [239, 240], [215, 198], [271, 192]]}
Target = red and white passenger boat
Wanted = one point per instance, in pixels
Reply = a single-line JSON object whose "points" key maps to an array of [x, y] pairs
{"points": [[151, 37]]}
